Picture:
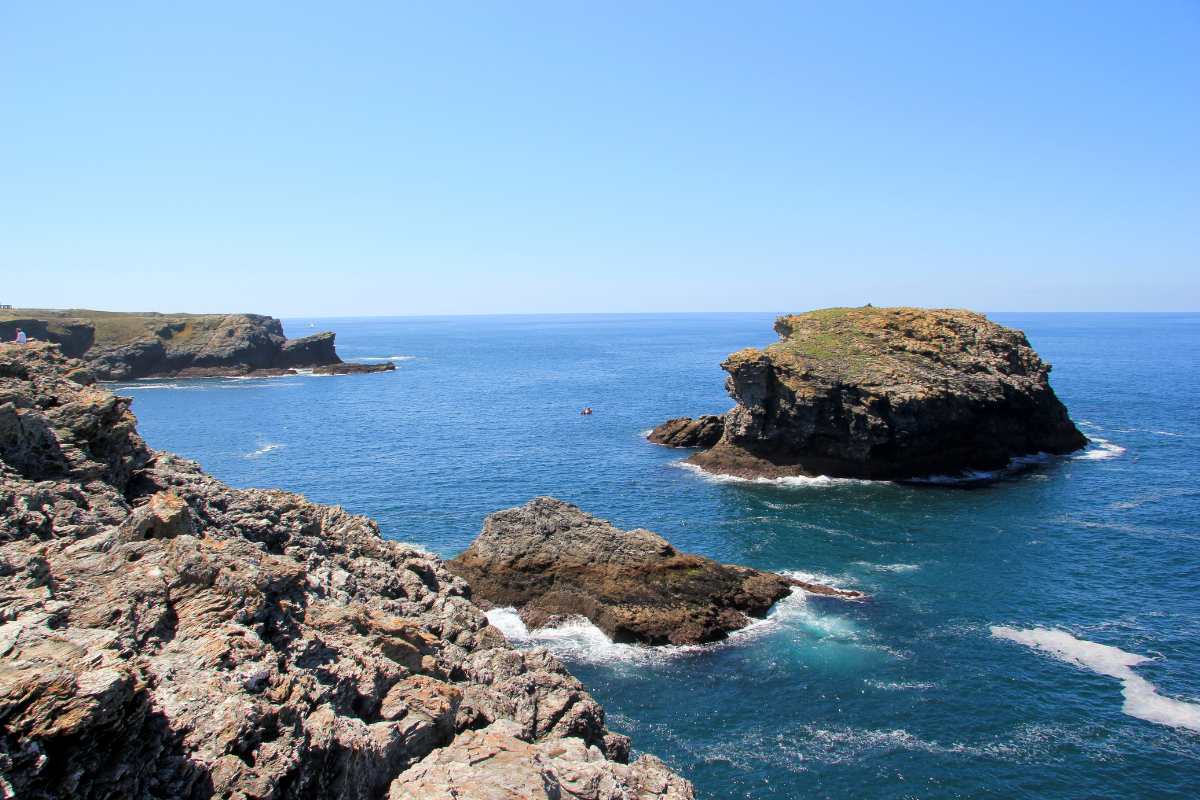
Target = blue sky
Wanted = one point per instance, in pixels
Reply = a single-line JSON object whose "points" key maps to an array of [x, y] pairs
{"points": [[376, 158]]}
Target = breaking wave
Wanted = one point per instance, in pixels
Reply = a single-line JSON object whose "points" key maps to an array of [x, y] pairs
{"points": [[894, 568], [577, 639], [1098, 450], [818, 481], [140, 386], [266, 447], [385, 358], [899, 686], [1017, 466], [1142, 699]]}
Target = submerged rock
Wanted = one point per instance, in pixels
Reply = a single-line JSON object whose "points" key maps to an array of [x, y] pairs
{"points": [[887, 393], [551, 560], [127, 346], [165, 635]]}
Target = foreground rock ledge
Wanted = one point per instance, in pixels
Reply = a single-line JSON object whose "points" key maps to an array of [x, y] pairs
{"points": [[881, 393], [551, 561], [163, 635]]}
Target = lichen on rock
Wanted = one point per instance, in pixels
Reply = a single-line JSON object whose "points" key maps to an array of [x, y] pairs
{"points": [[165, 635]]}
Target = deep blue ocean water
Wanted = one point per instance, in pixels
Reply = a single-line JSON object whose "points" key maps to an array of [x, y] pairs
{"points": [[906, 695]]}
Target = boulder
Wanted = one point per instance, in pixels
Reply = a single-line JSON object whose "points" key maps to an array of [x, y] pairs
{"points": [[551, 561], [687, 432]]}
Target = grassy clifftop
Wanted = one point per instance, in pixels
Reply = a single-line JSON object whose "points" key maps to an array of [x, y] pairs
{"points": [[116, 328], [869, 345]]}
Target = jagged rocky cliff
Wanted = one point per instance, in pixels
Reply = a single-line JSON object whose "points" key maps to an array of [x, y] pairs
{"points": [[125, 346], [552, 561], [881, 393], [165, 635]]}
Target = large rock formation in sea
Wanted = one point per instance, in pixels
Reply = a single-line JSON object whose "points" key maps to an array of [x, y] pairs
{"points": [[125, 346], [881, 393], [164, 635], [552, 561]]}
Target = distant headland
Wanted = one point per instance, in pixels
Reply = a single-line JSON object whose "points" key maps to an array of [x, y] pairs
{"points": [[129, 345]]}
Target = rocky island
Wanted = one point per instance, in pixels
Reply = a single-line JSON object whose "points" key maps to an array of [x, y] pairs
{"points": [[552, 561], [165, 635], [122, 346], [880, 393]]}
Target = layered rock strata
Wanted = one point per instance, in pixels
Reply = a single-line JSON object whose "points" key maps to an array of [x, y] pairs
{"points": [[552, 561], [127, 346], [883, 393], [165, 635]]}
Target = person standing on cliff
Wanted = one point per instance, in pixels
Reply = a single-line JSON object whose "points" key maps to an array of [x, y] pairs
{"points": [[21, 338]]}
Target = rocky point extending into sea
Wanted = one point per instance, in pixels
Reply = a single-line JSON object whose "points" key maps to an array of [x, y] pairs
{"points": [[880, 393], [553, 561], [122, 346], [165, 635]]}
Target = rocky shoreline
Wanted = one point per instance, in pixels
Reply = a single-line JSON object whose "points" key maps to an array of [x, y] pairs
{"points": [[553, 561], [165, 635], [880, 394], [130, 346]]}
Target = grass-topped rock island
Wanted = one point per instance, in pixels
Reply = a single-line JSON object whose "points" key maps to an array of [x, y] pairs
{"points": [[122, 346], [880, 393]]}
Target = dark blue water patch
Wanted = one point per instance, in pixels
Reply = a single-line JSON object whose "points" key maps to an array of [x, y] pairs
{"points": [[905, 695]]}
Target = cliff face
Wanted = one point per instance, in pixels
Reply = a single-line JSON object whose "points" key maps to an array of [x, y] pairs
{"points": [[164, 635], [126, 346], [551, 560], [888, 393]]}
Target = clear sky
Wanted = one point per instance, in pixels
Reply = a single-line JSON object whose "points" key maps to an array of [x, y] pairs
{"points": [[299, 158]]}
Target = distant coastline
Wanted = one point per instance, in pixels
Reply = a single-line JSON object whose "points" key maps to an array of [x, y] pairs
{"points": [[121, 346]]}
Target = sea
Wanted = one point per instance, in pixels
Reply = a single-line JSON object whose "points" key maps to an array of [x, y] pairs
{"points": [[1033, 633]]}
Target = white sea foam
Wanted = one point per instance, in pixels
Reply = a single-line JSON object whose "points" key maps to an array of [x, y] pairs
{"points": [[1148, 430], [815, 577], [385, 358], [1099, 450], [266, 447], [1142, 699], [139, 386], [578, 639], [819, 481], [899, 686], [1017, 465], [889, 567]]}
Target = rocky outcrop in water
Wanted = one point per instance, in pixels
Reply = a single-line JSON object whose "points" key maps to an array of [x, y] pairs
{"points": [[126, 346], [552, 561], [687, 432], [887, 393], [165, 635]]}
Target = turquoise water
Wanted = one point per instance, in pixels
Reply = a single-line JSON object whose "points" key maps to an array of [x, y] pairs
{"points": [[906, 695]]}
